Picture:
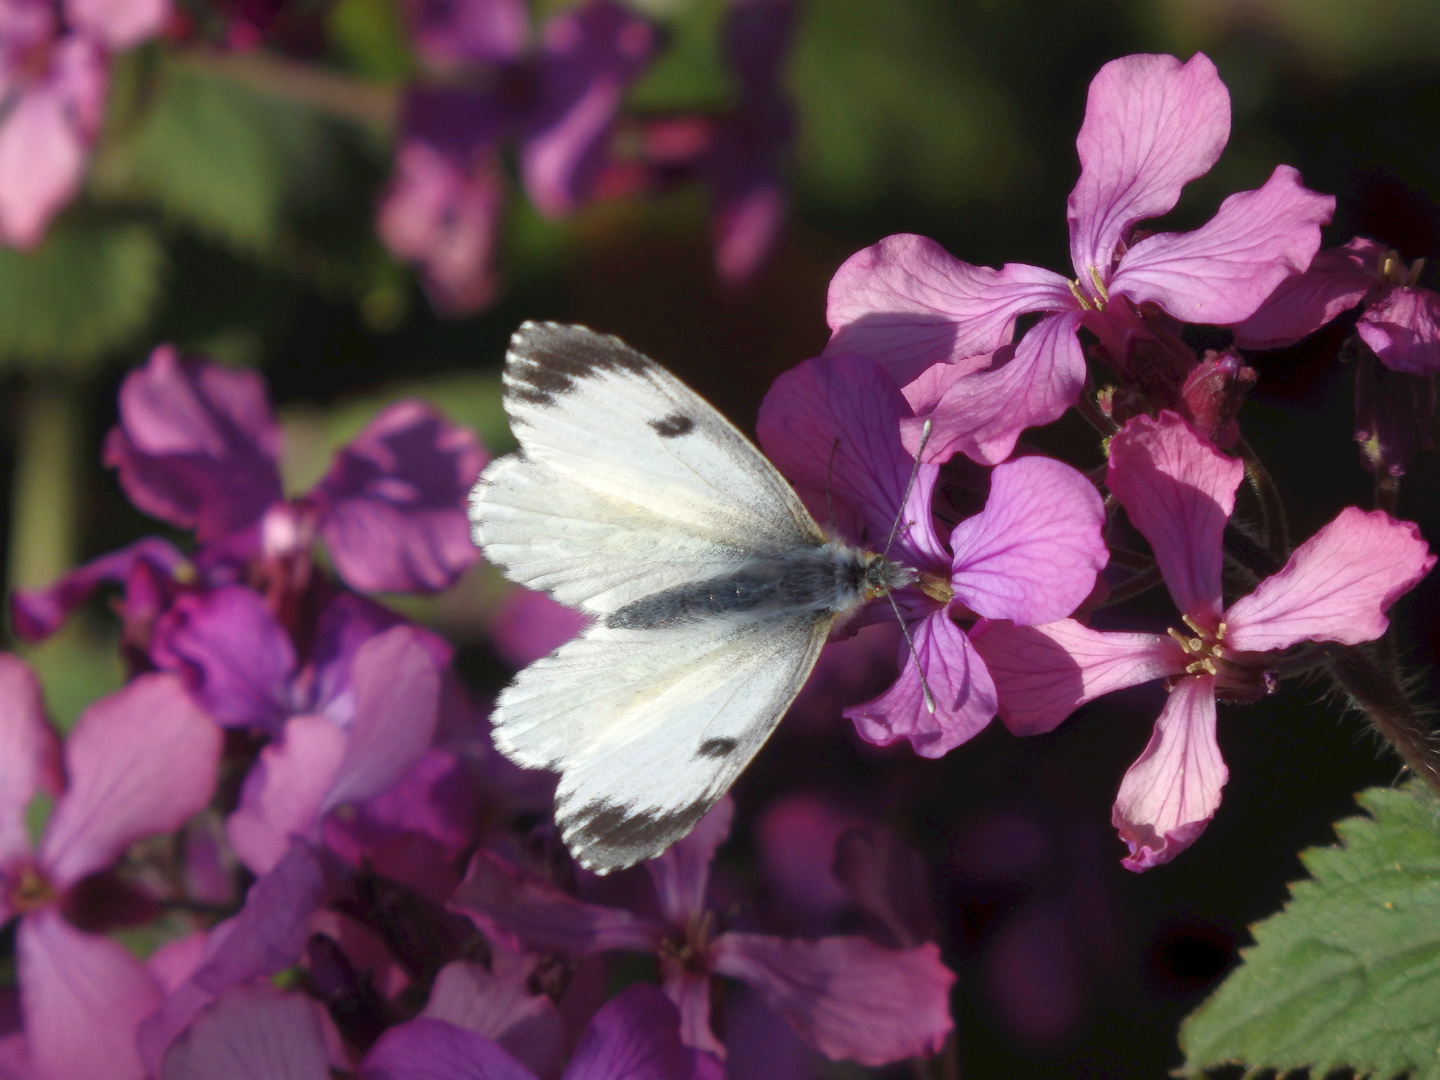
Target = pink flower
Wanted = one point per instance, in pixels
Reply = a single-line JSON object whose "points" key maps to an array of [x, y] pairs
{"points": [[943, 327], [140, 762], [1179, 491], [1400, 323]]}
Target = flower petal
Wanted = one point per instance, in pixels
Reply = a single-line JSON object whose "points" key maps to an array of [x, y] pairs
{"points": [[1402, 328], [1338, 279], [681, 872], [1152, 124], [1224, 270], [141, 761], [1032, 554], [434, 1050], [910, 304], [498, 1004], [38, 613], [689, 991], [636, 1036], [846, 996], [29, 756], [83, 997], [1044, 673], [118, 24], [449, 35], [832, 426], [1173, 790], [963, 693], [392, 507], [1336, 586], [1179, 491], [252, 1032]]}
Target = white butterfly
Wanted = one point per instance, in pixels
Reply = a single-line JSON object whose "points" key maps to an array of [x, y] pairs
{"points": [[711, 587]]}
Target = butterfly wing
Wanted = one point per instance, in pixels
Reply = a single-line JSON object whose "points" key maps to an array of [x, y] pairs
{"points": [[650, 728], [627, 482]]}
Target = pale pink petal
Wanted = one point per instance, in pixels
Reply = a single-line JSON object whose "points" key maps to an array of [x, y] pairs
{"points": [[681, 873], [689, 991], [961, 688], [252, 1032], [118, 24], [1223, 271], [1179, 491], [1402, 328], [1173, 790], [909, 303], [498, 1003], [1032, 554], [982, 413], [635, 1036], [1152, 124], [848, 997], [1337, 280], [1337, 585], [83, 997], [1044, 673], [29, 754], [521, 911], [140, 762], [284, 790]]}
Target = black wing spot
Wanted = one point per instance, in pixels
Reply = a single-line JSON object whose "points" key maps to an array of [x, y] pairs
{"points": [[673, 426], [717, 748]]}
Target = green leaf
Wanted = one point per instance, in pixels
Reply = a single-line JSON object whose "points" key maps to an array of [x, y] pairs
{"points": [[1348, 974], [87, 290], [371, 35]]}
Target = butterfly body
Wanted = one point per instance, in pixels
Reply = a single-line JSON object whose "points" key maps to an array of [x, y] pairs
{"points": [[710, 587]]}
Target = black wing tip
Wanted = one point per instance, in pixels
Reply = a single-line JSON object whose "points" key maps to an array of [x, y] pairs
{"points": [[604, 837], [547, 359]]}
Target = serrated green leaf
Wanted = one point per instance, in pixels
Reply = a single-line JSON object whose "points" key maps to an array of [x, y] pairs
{"points": [[1348, 974], [88, 289]]}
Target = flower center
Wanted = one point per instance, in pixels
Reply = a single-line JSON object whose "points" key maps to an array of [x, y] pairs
{"points": [[690, 948], [1394, 271], [1239, 676], [1091, 301], [30, 891]]}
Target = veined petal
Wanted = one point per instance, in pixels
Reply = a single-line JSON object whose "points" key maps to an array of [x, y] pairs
{"points": [[140, 762], [29, 755], [83, 997], [963, 693], [689, 992], [1032, 554], [1179, 491], [1402, 328], [909, 303], [497, 1003], [1044, 673], [1223, 271], [252, 1032], [1152, 124], [681, 872], [1337, 280], [434, 1050], [848, 997], [1173, 790], [982, 413], [636, 1036], [521, 911], [1336, 586]]}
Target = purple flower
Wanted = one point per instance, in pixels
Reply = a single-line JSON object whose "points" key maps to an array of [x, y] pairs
{"points": [[1179, 491], [833, 425], [1400, 321], [846, 996], [139, 763], [943, 327]]}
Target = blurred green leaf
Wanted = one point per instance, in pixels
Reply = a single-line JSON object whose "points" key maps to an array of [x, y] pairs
{"points": [[88, 289], [1348, 974], [370, 35], [689, 72], [78, 665]]}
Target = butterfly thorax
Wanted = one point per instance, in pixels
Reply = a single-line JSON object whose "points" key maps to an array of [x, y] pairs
{"points": [[827, 579]]}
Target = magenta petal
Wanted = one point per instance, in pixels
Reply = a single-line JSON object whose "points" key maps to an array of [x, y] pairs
{"points": [[681, 872], [498, 1003], [529, 625], [284, 790], [832, 425], [1173, 790], [1032, 554], [83, 997], [1179, 491], [140, 761], [689, 991], [118, 24], [29, 756], [963, 693], [522, 911], [1338, 279], [252, 1032], [435, 1050], [1402, 328], [982, 414], [1223, 271], [450, 33], [635, 1036], [909, 303], [1337, 585], [846, 996], [38, 613], [1044, 673], [393, 504], [1152, 124]]}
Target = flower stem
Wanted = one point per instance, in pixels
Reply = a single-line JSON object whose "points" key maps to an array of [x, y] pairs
{"points": [[44, 501], [1272, 509], [1378, 694]]}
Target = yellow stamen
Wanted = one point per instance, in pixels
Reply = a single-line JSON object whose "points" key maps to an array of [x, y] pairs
{"points": [[1100, 289], [1081, 297]]}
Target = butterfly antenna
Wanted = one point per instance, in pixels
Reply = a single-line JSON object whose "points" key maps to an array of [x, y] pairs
{"points": [[924, 684], [829, 470], [900, 515]]}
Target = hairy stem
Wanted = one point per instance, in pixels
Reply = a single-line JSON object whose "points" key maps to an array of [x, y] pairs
{"points": [[1272, 509], [1378, 694]]}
